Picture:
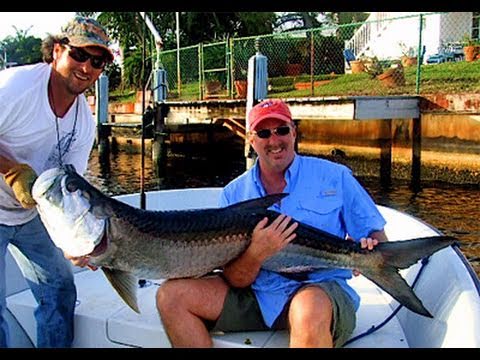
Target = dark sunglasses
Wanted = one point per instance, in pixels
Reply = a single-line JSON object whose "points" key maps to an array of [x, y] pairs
{"points": [[266, 133], [80, 55]]}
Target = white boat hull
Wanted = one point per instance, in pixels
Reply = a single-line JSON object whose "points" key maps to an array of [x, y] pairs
{"points": [[447, 286]]}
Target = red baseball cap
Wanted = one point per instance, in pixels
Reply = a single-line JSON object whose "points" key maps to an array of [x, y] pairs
{"points": [[271, 108]]}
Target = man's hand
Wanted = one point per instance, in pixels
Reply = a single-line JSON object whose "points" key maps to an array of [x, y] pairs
{"points": [[21, 178], [268, 240], [80, 261], [366, 243]]}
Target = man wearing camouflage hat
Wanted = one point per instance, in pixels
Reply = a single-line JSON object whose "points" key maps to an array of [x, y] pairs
{"points": [[45, 122]]}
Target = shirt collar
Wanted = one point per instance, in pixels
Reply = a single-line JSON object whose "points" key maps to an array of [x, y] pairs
{"points": [[290, 174], [256, 178]]}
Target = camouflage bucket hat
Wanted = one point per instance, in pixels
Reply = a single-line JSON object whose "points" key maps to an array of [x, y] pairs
{"points": [[82, 31]]}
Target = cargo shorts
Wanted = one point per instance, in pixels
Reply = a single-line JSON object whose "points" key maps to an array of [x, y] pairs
{"points": [[241, 312]]}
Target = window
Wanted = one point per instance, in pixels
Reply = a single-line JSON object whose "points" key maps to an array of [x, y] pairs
{"points": [[476, 25]]}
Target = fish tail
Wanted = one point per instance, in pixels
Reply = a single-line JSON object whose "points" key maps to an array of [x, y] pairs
{"points": [[399, 255]]}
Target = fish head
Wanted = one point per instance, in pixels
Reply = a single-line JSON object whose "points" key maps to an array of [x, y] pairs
{"points": [[64, 202]]}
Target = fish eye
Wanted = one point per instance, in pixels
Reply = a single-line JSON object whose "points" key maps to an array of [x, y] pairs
{"points": [[71, 186]]}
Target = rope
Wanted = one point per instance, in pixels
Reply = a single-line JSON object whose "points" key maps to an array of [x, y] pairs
{"points": [[392, 315]]}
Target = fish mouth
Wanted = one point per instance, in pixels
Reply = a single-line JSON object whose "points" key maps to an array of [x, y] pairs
{"points": [[101, 247]]}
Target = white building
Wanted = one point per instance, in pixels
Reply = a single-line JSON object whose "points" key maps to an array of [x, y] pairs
{"points": [[384, 33]]}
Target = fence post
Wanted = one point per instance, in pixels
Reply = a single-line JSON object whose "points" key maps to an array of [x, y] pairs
{"points": [[179, 74], [231, 69], [200, 71], [257, 80], [419, 57], [101, 113], [312, 61], [159, 152], [227, 66], [159, 85]]}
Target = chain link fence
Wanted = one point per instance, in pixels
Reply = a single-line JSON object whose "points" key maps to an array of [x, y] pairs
{"points": [[389, 54]]}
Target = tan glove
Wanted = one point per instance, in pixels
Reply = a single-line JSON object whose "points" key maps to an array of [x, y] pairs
{"points": [[21, 178]]}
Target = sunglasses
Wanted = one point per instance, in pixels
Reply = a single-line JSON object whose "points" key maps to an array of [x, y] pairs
{"points": [[266, 133], [80, 55]]}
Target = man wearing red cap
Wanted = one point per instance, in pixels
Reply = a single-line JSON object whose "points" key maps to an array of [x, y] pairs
{"points": [[317, 307], [45, 122]]}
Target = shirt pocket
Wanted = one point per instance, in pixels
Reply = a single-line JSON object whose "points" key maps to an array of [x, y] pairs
{"points": [[322, 212]]}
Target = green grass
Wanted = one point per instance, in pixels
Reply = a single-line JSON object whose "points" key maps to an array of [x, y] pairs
{"points": [[189, 92], [455, 77], [122, 96], [447, 78]]}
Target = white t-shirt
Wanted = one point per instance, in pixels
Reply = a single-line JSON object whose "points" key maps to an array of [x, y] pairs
{"points": [[28, 131]]}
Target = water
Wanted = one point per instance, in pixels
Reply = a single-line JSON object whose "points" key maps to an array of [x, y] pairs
{"points": [[452, 209]]}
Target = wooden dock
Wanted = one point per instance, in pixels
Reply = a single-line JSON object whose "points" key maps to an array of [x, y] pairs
{"points": [[173, 117], [193, 119]]}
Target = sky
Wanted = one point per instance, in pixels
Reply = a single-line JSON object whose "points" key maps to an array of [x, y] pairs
{"points": [[38, 23]]}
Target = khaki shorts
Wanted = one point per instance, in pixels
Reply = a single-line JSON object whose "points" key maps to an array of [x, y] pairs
{"points": [[242, 313]]}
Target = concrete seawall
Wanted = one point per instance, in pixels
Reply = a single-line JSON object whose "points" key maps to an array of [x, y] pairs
{"points": [[450, 146]]}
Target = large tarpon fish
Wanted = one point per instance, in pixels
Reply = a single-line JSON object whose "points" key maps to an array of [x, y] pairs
{"points": [[129, 243]]}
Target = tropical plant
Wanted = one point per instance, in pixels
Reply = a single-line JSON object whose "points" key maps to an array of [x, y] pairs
{"points": [[468, 40], [372, 66], [128, 29], [114, 74], [409, 51], [22, 48]]}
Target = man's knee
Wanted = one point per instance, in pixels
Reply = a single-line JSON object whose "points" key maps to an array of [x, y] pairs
{"points": [[311, 306], [168, 295], [339, 312]]}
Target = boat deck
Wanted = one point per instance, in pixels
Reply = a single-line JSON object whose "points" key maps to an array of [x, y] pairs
{"points": [[102, 316]]}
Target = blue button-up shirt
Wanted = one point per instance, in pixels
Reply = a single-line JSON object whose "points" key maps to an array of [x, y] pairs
{"points": [[322, 194]]}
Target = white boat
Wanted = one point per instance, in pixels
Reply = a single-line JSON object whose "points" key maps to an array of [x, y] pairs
{"points": [[446, 284]]}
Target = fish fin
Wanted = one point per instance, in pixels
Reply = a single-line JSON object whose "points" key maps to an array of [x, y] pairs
{"points": [[262, 202], [125, 284], [400, 255], [393, 283]]}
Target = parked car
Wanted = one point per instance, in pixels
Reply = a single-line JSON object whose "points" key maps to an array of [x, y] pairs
{"points": [[439, 58], [449, 52]]}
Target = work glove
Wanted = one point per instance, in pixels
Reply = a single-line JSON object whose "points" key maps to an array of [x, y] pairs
{"points": [[21, 178]]}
